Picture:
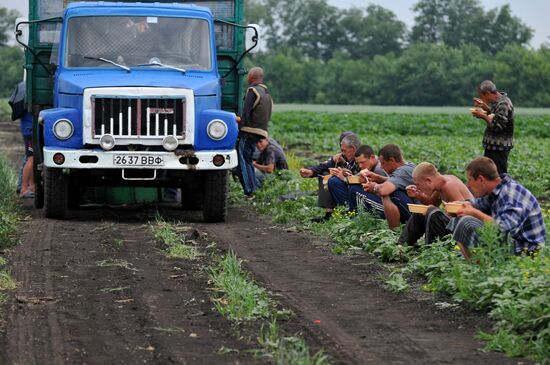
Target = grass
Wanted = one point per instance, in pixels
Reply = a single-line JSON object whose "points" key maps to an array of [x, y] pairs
{"points": [[398, 109], [284, 350], [7, 282], [173, 238], [448, 141], [8, 205], [5, 110], [513, 290], [9, 214], [116, 263], [241, 299]]}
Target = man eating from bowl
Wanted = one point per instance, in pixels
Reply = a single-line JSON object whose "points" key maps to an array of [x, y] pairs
{"points": [[431, 188], [502, 201]]}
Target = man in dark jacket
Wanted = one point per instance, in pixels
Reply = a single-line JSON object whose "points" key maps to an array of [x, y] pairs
{"points": [[322, 172], [496, 109], [253, 126]]}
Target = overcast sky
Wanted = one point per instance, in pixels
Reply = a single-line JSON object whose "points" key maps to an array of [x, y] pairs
{"points": [[534, 13]]}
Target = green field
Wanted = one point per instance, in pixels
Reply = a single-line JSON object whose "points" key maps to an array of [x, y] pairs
{"points": [[449, 141], [513, 290], [399, 109]]}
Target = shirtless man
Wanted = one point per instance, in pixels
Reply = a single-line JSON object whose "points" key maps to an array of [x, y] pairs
{"points": [[431, 188]]}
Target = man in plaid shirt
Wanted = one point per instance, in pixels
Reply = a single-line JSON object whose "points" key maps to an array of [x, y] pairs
{"points": [[503, 201]]}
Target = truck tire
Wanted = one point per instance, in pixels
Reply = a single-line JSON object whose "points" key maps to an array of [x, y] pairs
{"points": [[214, 203], [56, 195]]}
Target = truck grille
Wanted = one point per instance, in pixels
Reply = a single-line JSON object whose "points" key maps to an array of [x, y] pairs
{"points": [[141, 117]]}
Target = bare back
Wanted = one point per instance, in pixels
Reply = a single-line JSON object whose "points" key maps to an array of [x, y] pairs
{"points": [[454, 189]]}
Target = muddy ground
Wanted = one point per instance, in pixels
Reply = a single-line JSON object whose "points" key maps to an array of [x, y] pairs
{"points": [[96, 289]]}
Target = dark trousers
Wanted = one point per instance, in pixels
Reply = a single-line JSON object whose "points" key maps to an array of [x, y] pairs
{"points": [[245, 170], [372, 202], [324, 199], [432, 225], [500, 158], [339, 191]]}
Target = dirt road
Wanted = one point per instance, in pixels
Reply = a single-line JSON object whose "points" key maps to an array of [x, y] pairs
{"points": [[96, 290]]}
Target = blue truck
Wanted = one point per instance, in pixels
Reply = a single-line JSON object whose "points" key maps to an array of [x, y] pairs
{"points": [[137, 99]]}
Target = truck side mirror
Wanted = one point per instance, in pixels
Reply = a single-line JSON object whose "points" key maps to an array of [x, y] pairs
{"points": [[22, 30], [252, 38]]}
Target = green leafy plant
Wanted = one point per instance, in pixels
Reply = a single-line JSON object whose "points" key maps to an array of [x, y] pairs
{"points": [[513, 290], [284, 350], [240, 298], [174, 239]]}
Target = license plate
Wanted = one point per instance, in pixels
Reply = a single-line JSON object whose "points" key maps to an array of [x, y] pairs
{"points": [[138, 160]]}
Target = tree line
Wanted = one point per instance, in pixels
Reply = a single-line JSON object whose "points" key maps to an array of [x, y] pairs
{"points": [[11, 57], [317, 53]]}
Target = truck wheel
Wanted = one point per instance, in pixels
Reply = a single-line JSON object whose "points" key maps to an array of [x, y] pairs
{"points": [[214, 206], [55, 193]]}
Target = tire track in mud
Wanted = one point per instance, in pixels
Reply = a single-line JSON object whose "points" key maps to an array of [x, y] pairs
{"points": [[36, 291], [357, 316], [98, 291]]}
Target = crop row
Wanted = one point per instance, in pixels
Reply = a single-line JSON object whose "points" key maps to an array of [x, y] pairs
{"points": [[448, 141], [512, 289]]}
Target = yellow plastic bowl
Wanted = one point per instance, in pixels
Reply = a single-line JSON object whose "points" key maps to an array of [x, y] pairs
{"points": [[452, 207], [418, 208]]}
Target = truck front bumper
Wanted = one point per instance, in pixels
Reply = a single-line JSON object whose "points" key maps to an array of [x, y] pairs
{"points": [[99, 159]]}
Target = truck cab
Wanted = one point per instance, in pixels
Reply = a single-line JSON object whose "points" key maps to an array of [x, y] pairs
{"points": [[136, 101]]}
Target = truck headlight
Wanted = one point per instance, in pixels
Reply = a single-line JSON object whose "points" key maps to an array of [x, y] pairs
{"points": [[217, 129], [63, 129]]}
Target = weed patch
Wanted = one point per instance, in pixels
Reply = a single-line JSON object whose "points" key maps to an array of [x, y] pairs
{"points": [[116, 263], [240, 299], [283, 350], [8, 205], [174, 239], [514, 290]]}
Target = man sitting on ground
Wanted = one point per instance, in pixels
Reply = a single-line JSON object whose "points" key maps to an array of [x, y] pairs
{"points": [[366, 161], [431, 188], [503, 202], [323, 169], [271, 158], [386, 194]]}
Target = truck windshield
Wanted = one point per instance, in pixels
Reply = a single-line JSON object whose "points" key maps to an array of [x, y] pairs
{"points": [[130, 41]]}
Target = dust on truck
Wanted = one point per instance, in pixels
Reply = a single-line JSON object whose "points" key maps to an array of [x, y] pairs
{"points": [[132, 94]]}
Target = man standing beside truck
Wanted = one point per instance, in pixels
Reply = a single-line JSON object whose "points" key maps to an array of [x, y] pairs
{"points": [[253, 127]]}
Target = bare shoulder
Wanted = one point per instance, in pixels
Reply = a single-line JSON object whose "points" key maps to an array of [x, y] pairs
{"points": [[454, 188]]}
